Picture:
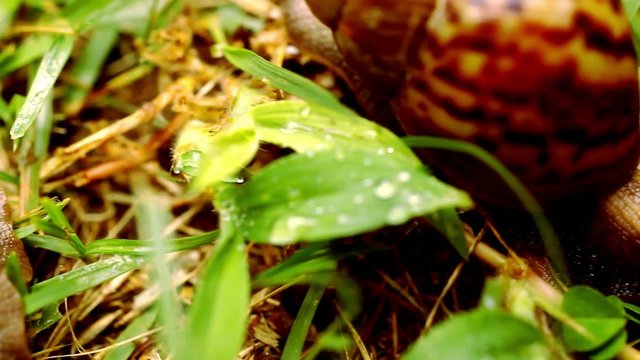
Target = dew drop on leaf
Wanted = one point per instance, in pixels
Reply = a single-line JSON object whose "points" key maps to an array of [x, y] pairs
{"points": [[404, 176], [343, 219], [397, 215], [287, 229], [358, 199], [385, 190], [305, 111]]}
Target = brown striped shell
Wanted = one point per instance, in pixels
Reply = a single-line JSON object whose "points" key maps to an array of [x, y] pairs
{"points": [[548, 86]]}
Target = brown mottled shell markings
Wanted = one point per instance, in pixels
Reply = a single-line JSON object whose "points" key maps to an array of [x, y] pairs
{"points": [[13, 340], [8, 240], [548, 86]]}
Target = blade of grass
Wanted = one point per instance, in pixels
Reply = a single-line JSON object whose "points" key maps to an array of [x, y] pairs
{"points": [[138, 326], [146, 247], [60, 220], [32, 48], [298, 334], [286, 81], [217, 320], [88, 65], [153, 214], [50, 67], [551, 243], [78, 280], [51, 243], [8, 10]]}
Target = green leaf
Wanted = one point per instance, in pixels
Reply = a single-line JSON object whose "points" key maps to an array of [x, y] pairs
{"points": [[284, 79], [61, 221], [480, 335], [138, 326], [33, 47], [232, 17], [8, 9], [332, 194], [302, 323], [48, 72], [46, 318], [87, 66], [218, 317], [308, 128], [218, 156], [601, 318], [75, 281], [450, 225]]}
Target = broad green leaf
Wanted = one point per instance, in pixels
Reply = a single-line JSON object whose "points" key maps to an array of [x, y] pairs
{"points": [[306, 127], [480, 335], [75, 281], [218, 317], [332, 194], [50, 67], [610, 349], [284, 79], [601, 318]]}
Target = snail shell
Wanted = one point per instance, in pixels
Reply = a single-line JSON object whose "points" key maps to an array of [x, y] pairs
{"points": [[548, 86], [9, 242]]}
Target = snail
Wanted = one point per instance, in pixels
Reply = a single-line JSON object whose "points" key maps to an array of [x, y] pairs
{"points": [[9, 242], [549, 87]]}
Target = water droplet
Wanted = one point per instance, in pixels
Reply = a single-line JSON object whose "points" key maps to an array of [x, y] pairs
{"points": [[288, 229], [368, 182], [343, 219], [319, 210], [367, 161], [289, 127], [240, 180], [339, 155], [404, 176], [328, 137], [371, 134], [414, 200], [385, 190], [380, 151], [390, 150], [358, 199], [397, 215], [305, 111]]}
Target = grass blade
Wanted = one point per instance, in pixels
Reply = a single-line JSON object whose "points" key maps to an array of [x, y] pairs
{"points": [[78, 280], [218, 318], [48, 72]]}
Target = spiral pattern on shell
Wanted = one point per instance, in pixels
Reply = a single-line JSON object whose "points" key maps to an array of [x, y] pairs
{"points": [[548, 86]]}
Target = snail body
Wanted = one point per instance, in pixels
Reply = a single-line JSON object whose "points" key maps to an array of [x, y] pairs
{"points": [[550, 87]]}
